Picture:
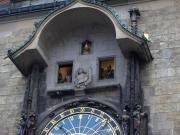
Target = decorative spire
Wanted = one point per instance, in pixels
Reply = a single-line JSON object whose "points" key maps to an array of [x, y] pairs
{"points": [[134, 16]]}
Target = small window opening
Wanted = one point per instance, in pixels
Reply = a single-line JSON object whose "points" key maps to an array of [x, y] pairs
{"points": [[65, 73], [86, 47], [106, 68]]}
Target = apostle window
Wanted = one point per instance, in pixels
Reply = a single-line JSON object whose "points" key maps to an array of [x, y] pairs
{"points": [[106, 68], [65, 73], [86, 47]]}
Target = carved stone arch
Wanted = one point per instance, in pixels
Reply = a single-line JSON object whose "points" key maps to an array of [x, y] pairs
{"points": [[34, 50], [63, 20]]}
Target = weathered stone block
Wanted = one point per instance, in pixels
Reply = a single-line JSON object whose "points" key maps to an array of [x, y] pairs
{"points": [[3, 100], [176, 131]]}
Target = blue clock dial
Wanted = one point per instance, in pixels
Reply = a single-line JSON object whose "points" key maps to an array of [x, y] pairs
{"points": [[82, 121]]}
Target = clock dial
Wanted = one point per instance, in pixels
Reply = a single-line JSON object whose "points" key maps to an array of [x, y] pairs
{"points": [[82, 121]]}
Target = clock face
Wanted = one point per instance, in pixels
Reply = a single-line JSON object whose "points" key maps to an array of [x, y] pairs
{"points": [[82, 121]]}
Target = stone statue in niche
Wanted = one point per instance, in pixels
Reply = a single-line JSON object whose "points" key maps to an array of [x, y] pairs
{"points": [[82, 79], [86, 47]]}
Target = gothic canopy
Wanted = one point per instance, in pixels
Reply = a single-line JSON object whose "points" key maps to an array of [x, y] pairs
{"points": [[59, 22]]}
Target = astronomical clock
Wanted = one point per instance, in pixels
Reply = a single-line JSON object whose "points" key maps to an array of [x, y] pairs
{"points": [[82, 66], [82, 121]]}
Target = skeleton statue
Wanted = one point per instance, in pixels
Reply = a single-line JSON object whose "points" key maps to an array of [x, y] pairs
{"points": [[82, 79]]}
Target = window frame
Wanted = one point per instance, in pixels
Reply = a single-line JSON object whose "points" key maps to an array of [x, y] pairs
{"points": [[57, 71], [91, 49], [98, 68]]}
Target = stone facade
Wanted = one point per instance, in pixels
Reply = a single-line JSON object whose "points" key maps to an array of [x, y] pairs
{"points": [[160, 78], [102, 38], [162, 84], [12, 83]]}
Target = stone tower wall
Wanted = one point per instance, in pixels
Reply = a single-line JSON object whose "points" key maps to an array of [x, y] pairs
{"points": [[12, 83], [160, 78]]}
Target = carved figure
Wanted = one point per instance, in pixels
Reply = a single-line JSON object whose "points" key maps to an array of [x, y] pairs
{"points": [[82, 79]]}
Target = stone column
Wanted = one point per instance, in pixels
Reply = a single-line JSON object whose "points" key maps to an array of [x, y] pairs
{"points": [[135, 96], [29, 112]]}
